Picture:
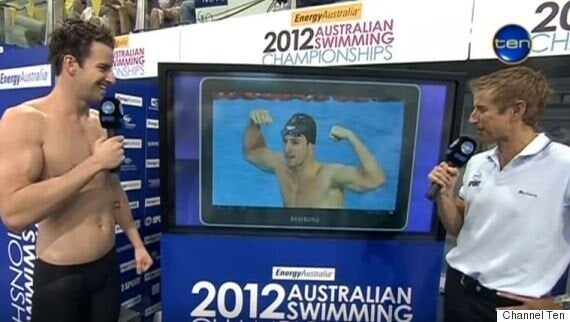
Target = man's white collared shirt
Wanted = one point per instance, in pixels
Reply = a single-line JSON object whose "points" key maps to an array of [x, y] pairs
{"points": [[516, 232]]}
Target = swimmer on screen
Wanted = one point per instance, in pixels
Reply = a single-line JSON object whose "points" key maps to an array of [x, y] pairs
{"points": [[304, 181]]}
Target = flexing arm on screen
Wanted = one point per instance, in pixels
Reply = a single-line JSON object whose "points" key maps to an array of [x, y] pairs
{"points": [[124, 217], [450, 208], [24, 199], [254, 146], [367, 178]]}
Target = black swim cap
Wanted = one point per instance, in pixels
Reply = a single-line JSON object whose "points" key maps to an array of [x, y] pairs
{"points": [[301, 124]]}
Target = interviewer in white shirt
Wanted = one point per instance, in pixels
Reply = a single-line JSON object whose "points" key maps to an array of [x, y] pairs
{"points": [[512, 214]]}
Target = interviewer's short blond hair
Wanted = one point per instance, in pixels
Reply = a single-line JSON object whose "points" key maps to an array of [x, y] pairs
{"points": [[517, 83]]}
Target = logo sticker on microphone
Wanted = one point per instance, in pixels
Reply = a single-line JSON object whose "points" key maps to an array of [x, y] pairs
{"points": [[108, 107], [467, 147]]}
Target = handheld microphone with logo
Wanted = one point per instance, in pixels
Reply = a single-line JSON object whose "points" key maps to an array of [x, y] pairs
{"points": [[110, 117], [457, 155]]}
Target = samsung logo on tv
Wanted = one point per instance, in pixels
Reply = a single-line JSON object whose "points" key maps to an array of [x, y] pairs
{"points": [[305, 219], [152, 124], [132, 143]]}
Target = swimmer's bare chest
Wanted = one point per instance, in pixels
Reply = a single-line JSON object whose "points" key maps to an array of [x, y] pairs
{"points": [[312, 192], [66, 145], [83, 229]]}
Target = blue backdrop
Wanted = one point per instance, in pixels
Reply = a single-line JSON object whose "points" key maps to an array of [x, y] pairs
{"points": [[223, 278], [18, 251]]}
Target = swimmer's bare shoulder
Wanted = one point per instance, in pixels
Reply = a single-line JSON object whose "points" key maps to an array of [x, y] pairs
{"points": [[28, 118], [21, 127], [21, 155], [24, 122]]}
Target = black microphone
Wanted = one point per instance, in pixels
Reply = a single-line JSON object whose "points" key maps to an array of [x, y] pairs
{"points": [[457, 155], [110, 117]]}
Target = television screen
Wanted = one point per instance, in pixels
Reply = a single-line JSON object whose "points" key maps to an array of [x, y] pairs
{"points": [[302, 148]]}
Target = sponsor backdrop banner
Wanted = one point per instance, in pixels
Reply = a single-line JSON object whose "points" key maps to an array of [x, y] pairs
{"points": [[219, 278], [368, 32], [152, 227], [547, 22], [137, 55], [131, 95], [18, 83], [139, 99], [26, 77]]}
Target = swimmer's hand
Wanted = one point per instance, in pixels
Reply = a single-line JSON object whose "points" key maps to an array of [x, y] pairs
{"points": [[108, 152], [338, 133], [260, 117]]}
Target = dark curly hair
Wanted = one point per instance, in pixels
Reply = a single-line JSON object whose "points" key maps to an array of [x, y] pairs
{"points": [[74, 37]]}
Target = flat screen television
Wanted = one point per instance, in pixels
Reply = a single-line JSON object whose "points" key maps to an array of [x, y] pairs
{"points": [[301, 148]]}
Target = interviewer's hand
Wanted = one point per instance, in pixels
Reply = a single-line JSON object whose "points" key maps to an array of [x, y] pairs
{"points": [[444, 175]]}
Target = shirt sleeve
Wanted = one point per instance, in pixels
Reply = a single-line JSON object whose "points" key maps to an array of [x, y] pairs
{"points": [[466, 175]]}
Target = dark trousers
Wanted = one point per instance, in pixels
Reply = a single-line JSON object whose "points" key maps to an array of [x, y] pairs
{"points": [[77, 293], [466, 300]]}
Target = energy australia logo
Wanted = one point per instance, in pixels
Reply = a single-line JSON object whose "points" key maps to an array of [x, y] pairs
{"points": [[512, 44]]}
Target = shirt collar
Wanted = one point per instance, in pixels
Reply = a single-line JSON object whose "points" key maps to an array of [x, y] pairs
{"points": [[538, 144]]}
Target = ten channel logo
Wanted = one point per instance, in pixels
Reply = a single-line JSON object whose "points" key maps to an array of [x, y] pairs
{"points": [[512, 44]]}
